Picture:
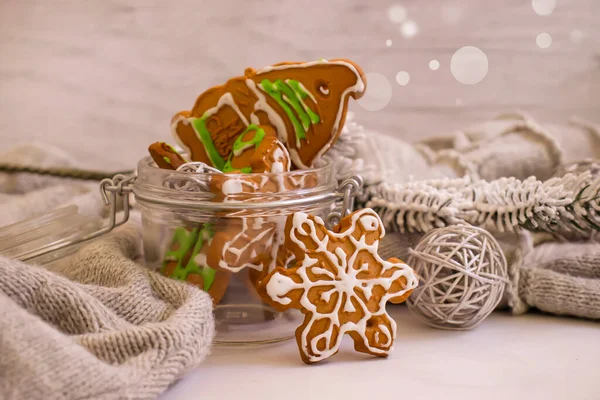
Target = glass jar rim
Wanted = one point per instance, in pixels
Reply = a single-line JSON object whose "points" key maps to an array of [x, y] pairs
{"points": [[147, 164], [149, 188]]}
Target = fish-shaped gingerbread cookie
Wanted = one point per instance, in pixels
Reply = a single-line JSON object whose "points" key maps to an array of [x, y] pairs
{"points": [[304, 102]]}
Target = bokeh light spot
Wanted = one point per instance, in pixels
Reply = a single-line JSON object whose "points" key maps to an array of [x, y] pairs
{"points": [[378, 94], [543, 40], [469, 65], [409, 29], [402, 78], [397, 13], [543, 7], [576, 35], [434, 65]]}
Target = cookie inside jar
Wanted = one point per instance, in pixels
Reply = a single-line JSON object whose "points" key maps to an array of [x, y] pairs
{"points": [[225, 241]]}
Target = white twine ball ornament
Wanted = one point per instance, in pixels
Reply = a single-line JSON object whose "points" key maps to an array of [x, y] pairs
{"points": [[462, 275]]}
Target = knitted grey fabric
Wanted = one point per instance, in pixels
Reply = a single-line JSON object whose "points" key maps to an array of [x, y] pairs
{"points": [[560, 294], [98, 326], [509, 145], [396, 244], [559, 278]]}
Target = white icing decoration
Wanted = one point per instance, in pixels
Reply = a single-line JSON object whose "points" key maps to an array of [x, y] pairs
{"points": [[276, 288], [281, 164], [279, 158], [345, 282], [238, 152], [270, 237], [277, 167], [257, 223], [326, 296], [295, 157], [206, 235], [226, 99], [232, 186], [174, 122], [370, 223], [200, 259], [324, 90]]}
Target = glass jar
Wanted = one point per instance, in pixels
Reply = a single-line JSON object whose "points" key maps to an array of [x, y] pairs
{"points": [[224, 232]]}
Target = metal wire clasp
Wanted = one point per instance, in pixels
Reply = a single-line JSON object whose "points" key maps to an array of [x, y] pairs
{"points": [[110, 189], [348, 190]]}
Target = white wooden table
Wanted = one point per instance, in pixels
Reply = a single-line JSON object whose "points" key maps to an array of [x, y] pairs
{"points": [[507, 357]]}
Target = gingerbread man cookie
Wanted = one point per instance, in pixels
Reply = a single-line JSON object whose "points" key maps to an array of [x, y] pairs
{"points": [[304, 102], [340, 283], [186, 260], [165, 156]]}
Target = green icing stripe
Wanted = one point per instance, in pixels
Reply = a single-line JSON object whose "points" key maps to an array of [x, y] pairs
{"points": [[208, 274], [228, 168], [293, 99], [196, 239], [273, 90], [204, 135], [185, 239], [239, 146], [292, 94], [289, 95], [167, 160], [171, 148], [314, 118]]}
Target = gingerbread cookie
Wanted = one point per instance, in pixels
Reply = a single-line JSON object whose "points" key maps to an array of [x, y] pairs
{"points": [[272, 158], [340, 283], [165, 156], [248, 242], [186, 260], [237, 187], [283, 258], [305, 103], [257, 150]]}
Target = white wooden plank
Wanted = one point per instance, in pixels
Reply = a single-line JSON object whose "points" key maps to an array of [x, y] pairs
{"points": [[104, 77]]}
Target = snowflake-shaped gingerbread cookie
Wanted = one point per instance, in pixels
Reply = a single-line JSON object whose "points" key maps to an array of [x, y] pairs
{"points": [[340, 283]]}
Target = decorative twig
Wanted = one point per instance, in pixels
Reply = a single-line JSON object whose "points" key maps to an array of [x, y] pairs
{"points": [[72, 173], [564, 206]]}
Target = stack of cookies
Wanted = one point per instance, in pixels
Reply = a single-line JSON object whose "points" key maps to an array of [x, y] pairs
{"points": [[265, 123]]}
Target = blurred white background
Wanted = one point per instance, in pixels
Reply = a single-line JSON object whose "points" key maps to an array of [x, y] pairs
{"points": [[103, 78]]}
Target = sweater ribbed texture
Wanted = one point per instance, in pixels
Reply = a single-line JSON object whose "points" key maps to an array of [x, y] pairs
{"points": [[98, 326]]}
